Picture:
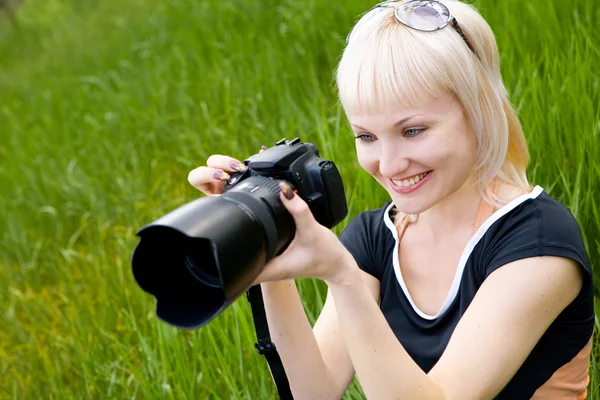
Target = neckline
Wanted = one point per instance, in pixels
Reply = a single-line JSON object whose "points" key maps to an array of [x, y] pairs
{"points": [[470, 246]]}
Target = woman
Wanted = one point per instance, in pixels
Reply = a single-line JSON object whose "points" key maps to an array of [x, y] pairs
{"points": [[470, 283]]}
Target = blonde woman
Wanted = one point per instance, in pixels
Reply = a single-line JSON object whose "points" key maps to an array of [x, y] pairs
{"points": [[470, 283]]}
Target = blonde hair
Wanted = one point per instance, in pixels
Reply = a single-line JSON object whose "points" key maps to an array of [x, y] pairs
{"points": [[387, 64]]}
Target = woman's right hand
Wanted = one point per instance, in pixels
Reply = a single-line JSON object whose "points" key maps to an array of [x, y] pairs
{"points": [[210, 179]]}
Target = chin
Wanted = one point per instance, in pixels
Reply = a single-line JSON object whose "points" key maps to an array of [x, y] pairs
{"points": [[413, 206], [411, 210]]}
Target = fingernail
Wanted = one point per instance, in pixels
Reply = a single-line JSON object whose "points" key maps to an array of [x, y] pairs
{"points": [[237, 166], [287, 190], [220, 175]]}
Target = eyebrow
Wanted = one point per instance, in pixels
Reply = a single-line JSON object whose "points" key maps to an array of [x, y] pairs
{"points": [[397, 124]]}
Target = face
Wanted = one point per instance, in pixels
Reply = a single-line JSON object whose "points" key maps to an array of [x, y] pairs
{"points": [[420, 155]]}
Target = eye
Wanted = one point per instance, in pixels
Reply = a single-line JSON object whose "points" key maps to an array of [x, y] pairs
{"points": [[365, 138], [413, 132]]}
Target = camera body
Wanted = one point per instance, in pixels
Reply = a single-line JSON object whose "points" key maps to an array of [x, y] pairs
{"points": [[314, 179]]}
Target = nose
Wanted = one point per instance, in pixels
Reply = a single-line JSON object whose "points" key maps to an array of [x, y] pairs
{"points": [[393, 160]]}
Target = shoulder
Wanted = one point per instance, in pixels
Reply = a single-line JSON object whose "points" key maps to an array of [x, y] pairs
{"points": [[540, 214], [534, 224]]}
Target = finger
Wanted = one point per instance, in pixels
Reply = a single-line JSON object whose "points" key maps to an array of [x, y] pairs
{"points": [[225, 163], [296, 206], [202, 176]]}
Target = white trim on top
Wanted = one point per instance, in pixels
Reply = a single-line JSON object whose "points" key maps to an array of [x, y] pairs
{"points": [[465, 254]]}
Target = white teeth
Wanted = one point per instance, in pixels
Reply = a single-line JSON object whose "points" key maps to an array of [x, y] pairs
{"points": [[412, 181]]}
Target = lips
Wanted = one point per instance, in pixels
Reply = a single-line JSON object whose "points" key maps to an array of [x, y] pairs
{"points": [[409, 182], [410, 185]]}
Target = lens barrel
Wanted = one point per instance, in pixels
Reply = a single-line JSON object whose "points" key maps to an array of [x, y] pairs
{"points": [[199, 258]]}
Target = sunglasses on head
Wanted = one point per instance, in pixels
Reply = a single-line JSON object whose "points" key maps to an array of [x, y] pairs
{"points": [[422, 15]]}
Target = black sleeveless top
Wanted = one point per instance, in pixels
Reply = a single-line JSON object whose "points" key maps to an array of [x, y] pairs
{"points": [[532, 225]]}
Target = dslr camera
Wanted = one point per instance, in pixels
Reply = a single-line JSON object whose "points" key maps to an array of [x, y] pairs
{"points": [[199, 258]]}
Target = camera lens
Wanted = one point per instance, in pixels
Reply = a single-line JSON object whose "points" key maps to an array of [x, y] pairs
{"points": [[203, 270], [199, 258]]}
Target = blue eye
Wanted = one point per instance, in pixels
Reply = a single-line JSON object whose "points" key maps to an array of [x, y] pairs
{"points": [[365, 138], [413, 132]]}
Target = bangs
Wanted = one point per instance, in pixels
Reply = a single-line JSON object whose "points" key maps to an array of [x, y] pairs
{"points": [[388, 66]]}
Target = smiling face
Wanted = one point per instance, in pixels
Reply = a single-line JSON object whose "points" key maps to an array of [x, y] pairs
{"points": [[420, 155]]}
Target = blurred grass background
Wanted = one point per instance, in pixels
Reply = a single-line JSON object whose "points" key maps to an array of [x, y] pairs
{"points": [[106, 106]]}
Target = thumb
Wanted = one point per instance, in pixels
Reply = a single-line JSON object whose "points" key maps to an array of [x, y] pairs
{"points": [[296, 206]]}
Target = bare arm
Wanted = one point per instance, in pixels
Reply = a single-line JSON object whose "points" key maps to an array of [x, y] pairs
{"points": [[316, 361], [513, 308]]}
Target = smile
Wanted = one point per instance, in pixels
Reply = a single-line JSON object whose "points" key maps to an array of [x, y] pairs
{"points": [[409, 185], [411, 181]]}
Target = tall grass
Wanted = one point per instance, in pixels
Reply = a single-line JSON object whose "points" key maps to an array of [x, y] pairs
{"points": [[105, 107]]}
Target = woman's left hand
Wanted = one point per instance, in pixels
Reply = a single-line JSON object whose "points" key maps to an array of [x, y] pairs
{"points": [[315, 251]]}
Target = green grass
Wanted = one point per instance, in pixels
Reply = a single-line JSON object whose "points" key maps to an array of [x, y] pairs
{"points": [[106, 106]]}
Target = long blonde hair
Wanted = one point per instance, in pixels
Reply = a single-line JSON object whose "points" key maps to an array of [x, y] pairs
{"points": [[387, 64]]}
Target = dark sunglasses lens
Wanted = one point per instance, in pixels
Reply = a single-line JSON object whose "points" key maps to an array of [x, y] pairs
{"points": [[423, 15]]}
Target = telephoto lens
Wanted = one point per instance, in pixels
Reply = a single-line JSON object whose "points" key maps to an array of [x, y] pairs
{"points": [[199, 258]]}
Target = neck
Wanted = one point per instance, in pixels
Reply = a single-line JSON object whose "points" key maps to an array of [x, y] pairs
{"points": [[455, 212]]}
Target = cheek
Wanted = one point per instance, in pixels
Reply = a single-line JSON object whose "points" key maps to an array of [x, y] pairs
{"points": [[367, 159], [436, 152], [459, 149], [460, 154], [467, 147]]}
